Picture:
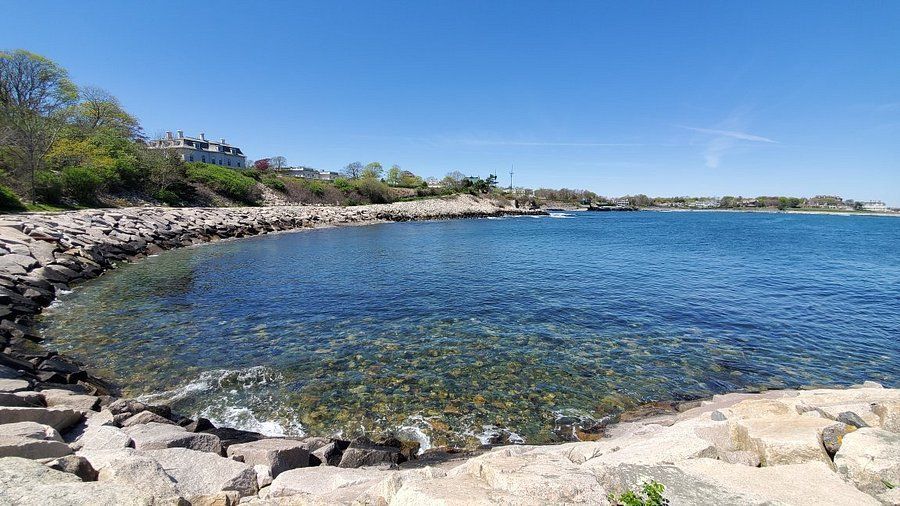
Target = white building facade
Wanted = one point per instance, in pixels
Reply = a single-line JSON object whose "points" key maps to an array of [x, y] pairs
{"points": [[201, 149]]}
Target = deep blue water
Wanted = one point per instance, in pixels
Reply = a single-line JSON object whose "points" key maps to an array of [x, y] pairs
{"points": [[439, 329]]}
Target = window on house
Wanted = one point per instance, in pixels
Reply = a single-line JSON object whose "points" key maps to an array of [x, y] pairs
{"points": [[229, 162], [192, 158], [204, 158]]}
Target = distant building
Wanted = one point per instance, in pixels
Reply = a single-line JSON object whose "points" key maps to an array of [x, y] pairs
{"points": [[434, 182], [200, 149], [310, 173], [873, 205], [622, 202], [705, 203]]}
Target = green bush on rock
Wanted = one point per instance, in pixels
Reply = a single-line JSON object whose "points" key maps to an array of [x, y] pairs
{"points": [[651, 494]]}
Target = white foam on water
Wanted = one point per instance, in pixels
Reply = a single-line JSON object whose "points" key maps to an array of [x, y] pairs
{"points": [[220, 409], [560, 215], [414, 429]]}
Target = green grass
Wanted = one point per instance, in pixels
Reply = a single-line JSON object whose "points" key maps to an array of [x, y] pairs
{"points": [[9, 201]]}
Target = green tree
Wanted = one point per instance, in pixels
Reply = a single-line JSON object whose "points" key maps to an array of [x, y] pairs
{"points": [[394, 175], [36, 97], [372, 170], [97, 110]]}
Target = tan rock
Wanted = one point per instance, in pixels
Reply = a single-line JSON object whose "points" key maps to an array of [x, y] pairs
{"points": [[870, 458]]}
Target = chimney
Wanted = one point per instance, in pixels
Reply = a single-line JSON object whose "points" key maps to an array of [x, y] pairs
{"points": [[169, 135], [202, 136], [181, 134], [222, 140]]}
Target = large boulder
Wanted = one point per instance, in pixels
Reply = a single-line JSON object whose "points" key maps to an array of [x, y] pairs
{"points": [[324, 481], [198, 473], [28, 483], [73, 464], [711, 482], [145, 417], [870, 458], [157, 436], [363, 452], [103, 437], [58, 418], [278, 454], [13, 385], [143, 473], [31, 440], [776, 432], [68, 399]]}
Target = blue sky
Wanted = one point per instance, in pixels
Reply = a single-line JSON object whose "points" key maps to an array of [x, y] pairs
{"points": [[663, 98]]}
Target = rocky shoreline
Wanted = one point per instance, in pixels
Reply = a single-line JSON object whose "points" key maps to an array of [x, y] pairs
{"points": [[66, 438]]}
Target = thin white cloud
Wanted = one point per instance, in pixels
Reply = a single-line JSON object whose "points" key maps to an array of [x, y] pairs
{"points": [[731, 133]]}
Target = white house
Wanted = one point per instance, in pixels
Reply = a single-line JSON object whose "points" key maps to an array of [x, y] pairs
{"points": [[310, 173], [200, 149], [873, 205]]}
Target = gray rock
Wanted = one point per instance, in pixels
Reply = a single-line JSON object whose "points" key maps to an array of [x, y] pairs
{"points": [[31, 430], [29, 448], [833, 435], [68, 399], [58, 418], [13, 385], [22, 399], [851, 418], [203, 473], [144, 417], [73, 464], [143, 473], [360, 457], [103, 437], [278, 454], [330, 454], [156, 436]]}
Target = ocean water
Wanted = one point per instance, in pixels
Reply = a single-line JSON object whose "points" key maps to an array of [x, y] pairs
{"points": [[529, 329]]}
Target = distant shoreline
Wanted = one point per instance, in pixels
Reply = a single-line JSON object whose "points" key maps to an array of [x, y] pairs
{"points": [[773, 211], [556, 206]]}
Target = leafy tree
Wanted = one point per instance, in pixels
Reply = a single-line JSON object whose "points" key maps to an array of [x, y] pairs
{"points": [[393, 176], [353, 170], [36, 97], [372, 170], [97, 109], [262, 164]]}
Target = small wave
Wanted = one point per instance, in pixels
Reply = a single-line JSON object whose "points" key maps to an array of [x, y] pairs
{"points": [[492, 435], [232, 398], [243, 418], [561, 215], [414, 430]]}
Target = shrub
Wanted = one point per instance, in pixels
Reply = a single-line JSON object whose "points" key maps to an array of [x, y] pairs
{"points": [[650, 495], [81, 183], [228, 182], [167, 197], [374, 190], [48, 187], [343, 184], [9, 201], [316, 187], [274, 182]]}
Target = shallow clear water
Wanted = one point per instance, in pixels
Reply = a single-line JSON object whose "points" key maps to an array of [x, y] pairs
{"points": [[439, 329]]}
